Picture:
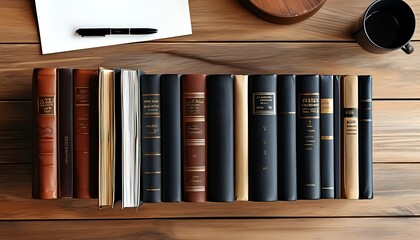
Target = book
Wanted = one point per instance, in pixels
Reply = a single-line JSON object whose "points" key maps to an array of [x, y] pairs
{"points": [[94, 131], [117, 171], [350, 137], [151, 138], [220, 138], [262, 138], [106, 139], [130, 137], [44, 175], [194, 137], [65, 132], [326, 91], [337, 136], [286, 114], [240, 85], [83, 170], [308, 137], [365, 138], [171, 138]]}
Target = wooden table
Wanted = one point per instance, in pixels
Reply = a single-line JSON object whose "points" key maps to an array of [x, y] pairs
{"points": [[226, 39]]}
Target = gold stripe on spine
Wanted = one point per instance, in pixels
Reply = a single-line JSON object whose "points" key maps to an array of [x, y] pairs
{"points": [[152, 137], [365, 120], [151, 94], [314, 117], [152, 172], [287, 113], [327, 137], [153, 189], [152, 154], [195, 189], [195, 169]]}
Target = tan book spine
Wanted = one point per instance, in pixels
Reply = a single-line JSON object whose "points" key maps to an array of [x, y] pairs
{"points": [[350, 137], [240, 86]]}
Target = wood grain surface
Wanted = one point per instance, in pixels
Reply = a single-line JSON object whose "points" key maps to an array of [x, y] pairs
{"points": [[227, 38]]}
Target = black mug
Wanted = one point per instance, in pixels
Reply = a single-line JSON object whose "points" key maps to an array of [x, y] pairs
{"points": [[386, 25]]}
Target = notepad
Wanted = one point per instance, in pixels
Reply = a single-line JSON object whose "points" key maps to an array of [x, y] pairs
{"points": [[58, 21]]}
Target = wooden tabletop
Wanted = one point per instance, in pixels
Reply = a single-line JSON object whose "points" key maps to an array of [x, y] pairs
{"points": [[226, 38]]}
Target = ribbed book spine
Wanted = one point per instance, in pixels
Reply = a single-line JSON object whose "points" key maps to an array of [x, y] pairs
{"points": [[171, 138], [220, 138], [240, 85], [337, 136], [65, 132], [308, 137], [82, 162], [286, 105], [350, 137], [194, 116], [365, 138], [151, 138], [327, 136], [44, 181], [262, 138]]}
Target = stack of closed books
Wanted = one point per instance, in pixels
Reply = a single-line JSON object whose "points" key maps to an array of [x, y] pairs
{"points": [[123, 135]]}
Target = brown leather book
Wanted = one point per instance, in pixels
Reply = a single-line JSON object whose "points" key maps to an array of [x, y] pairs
{"points": [[44, 182], [194, 137], [83, 169]]}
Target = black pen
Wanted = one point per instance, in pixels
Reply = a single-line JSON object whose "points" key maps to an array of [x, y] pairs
{"points": [[114, 31]]}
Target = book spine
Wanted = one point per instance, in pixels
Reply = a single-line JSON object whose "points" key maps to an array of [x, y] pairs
{"points": [[220, 138], [45, 134], [151, 138], [337, 136], [171, 138], [262, 138], [65, 132], [327, 135], [93, 131], [194, 139], [240, 84], [286, 105], [365, 138], [117, 196], [82, 162], [308, 137], [350, 137]]}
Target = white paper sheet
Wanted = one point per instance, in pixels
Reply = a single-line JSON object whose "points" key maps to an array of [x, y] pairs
{"points": [[58, 21]]}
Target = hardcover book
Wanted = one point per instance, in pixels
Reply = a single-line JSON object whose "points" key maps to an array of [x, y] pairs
{"points": [[194, 138], [220, 138], [262, 138], [308, 137], [337, 136], [350, 137], [44, 178]]}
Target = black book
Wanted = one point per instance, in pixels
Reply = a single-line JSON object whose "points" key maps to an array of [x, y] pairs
{"points": [[286, 105], [308, 137], [118, 137], [220, 137], [151, 138], [337, 136], [171, 137], [65, 132], [262, 145], [327, 135], [365, 138]]}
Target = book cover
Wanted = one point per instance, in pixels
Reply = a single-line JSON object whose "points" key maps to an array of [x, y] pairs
{"points": [[65, 132], [194, 137], [262, 138], [240, 84], [44, 177], [337, 136], [308, 137], [326, 93], [171, 138], [151, 138], [286, 114], [350, 137], [365, 138], [220, 138]]}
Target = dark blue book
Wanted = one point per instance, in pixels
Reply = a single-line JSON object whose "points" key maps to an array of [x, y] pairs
{"points": [[337, 136]]}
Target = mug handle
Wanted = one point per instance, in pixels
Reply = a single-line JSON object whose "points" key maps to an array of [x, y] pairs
{"points": [[408, 48]]}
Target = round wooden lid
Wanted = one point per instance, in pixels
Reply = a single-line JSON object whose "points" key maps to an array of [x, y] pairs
{"points": [[284, 11]]}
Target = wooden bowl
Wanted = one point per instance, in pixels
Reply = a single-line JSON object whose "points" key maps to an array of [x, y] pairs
{"points": [[284, 11]]}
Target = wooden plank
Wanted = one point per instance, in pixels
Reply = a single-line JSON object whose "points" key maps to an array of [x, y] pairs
{"points": [[307, 228], [395, 186], [395, 138], [394, 73], [220, 20]]}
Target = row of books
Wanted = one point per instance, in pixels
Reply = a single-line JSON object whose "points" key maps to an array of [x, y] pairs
{"points": [[129, 136]]}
